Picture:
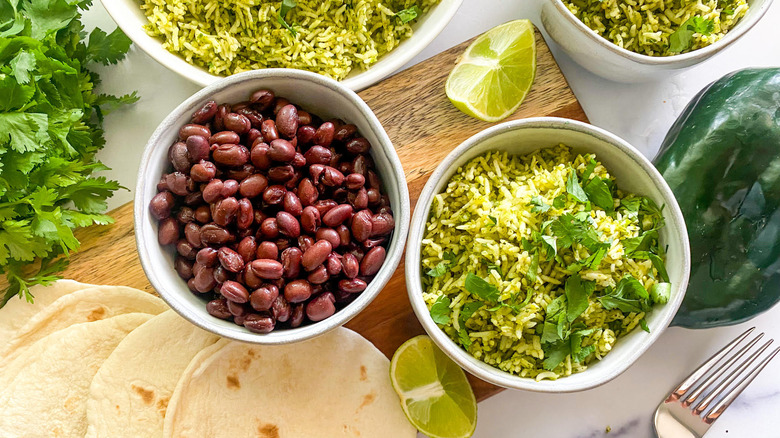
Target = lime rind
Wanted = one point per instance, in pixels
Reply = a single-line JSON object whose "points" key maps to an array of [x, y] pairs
{"points": [[435, 394], [495, 73]]}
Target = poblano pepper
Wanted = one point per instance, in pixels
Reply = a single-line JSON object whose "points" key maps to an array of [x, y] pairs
{"points": [[722, 160]]}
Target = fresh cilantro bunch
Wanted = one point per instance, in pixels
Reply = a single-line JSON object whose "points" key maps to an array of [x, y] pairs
{"points": [[50, 131]]}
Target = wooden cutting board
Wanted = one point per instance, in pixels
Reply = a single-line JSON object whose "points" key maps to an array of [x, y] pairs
{"points": [[424, 127]]}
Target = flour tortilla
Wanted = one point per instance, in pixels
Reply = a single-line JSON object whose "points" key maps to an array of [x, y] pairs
{"points": [[85, 305], [17, 311], [130, 393], [43, 392], [336, 385]]}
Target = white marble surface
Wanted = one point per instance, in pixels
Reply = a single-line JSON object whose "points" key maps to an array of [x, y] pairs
{"points": [[639, 113]]}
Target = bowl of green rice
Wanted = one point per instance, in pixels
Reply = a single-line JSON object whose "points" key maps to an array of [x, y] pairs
{"points": [[546, 254], [640, 40], [357, 42]]}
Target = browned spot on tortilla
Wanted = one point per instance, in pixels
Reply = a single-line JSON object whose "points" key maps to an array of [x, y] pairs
{"points": [[363, 373], [268, 431], [349, 430], [97, 314], [117, 408], [367, 400], [146, 395], [233, 383], [162, 405], [71, 404]]}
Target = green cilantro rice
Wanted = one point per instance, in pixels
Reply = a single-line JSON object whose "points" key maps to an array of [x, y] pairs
{"points": [[660, 27], [330, 37], [537, 264]]}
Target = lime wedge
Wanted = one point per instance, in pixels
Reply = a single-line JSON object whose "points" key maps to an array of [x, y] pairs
{"points": [[495, 72], [435, 394]]}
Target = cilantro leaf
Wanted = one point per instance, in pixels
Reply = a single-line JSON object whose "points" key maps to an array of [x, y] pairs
{"points": [[589, 169], [551, 242], [553, 327], [643, 242], [440, 310], [481, 288], [573, 187], [533, 267], [569, 230], [468, 310], [539, 205], [463, 337], [682, 38], [577, 292], [630, 286], [629, 296], [643, 324], [556, 354], [409, 14], [286, 6], [659, 266], [49, 16], [443, 266], [493, 220], [22, 64], [107, 48], [559, 201], [599, 193]]}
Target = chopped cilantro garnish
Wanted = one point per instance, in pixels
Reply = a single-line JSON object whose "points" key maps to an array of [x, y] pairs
{"points": [[559, 201], [539, 205], [533, 267], [569, 230], [599, 193], [573, 187], [629, 296], [444, 266], [682, 38], [287, 5], [440, 311], [577, 292], [481, 288]]}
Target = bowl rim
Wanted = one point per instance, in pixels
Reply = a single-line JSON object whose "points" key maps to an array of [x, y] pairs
{"points": [[419, 218], [146, 244], [361, 80], [697, 55]]}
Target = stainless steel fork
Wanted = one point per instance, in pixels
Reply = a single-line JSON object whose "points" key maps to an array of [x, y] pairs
{"points": [[677, 417]]}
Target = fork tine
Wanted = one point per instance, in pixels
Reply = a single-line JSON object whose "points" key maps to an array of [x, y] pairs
{"points": [[726, 402], [722, 368], [730, 379], [702, 370]]}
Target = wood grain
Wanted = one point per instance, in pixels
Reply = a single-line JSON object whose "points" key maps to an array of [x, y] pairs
{"points": [[424, 127]]}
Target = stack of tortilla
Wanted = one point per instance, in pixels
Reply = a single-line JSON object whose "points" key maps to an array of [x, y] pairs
{"points": [[112, 361]]}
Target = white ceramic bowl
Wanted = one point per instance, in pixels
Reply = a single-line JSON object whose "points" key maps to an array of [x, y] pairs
{"points": [[634, 173], [606, 59], [128, 16], [317, 94]]}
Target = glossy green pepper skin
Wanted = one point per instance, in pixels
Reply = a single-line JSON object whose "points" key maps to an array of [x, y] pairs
{"points": [[722, 160]]}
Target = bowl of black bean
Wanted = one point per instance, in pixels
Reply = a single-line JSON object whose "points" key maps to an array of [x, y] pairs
{"points": [[271, 207]]}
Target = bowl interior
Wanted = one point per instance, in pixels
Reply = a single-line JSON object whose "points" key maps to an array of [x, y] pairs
{"points": [[633, 174], [317, 95], [129, 17]]}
